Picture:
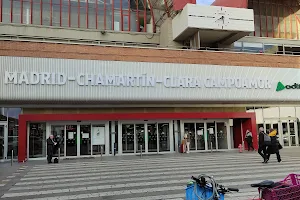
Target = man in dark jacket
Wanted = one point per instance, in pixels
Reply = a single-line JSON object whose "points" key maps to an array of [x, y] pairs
{"points": [[50, 148], [261, 144]]}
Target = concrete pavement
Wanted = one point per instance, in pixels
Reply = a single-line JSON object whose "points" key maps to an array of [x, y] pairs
{"points": [[146, 178]]}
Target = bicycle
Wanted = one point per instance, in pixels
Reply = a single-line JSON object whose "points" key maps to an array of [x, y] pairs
{"points": [[289, 188], [200, 189]]}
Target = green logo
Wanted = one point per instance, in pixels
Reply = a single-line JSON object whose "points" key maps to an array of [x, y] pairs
{"points": [[281, 87]]}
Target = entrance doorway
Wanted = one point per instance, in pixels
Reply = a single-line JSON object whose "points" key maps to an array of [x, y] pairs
{"points": [[58, 132], [287, 130], [290, 133], [148, 137], [208, 135], [3, 141], [79, 139]]}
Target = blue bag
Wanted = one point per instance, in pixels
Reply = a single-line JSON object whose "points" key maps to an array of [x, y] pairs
{"points": [[202, 192]]}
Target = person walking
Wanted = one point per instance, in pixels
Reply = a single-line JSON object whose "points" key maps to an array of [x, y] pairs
{"points": [[188, 142], [50, 148], [274, 146], [261, 144], [249, 140]]}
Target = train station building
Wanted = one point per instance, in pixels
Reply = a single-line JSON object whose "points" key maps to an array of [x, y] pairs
{"points": [[123, 77]]}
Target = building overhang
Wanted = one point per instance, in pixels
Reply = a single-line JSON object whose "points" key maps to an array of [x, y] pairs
{"points": [[215, 24]]}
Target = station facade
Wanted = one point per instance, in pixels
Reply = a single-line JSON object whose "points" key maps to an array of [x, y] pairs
{"points": [[98, 97]]}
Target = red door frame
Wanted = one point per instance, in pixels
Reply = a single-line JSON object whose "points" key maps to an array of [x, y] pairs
{"points": [[25, 118]]}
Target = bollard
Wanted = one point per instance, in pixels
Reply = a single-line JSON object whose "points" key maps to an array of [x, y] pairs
{"points": [[141, 147], [12, 157], [58, 154], [101, 151]]}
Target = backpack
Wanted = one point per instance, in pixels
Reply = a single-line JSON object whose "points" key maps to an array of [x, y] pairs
{"points": [[55, 160], [267, 139]]}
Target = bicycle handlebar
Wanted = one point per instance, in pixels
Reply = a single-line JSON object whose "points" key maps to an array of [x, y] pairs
{"points": [[233, 189], [202, 182]]}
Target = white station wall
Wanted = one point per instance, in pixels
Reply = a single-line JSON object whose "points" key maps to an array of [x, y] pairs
{"points": [[213, 18], [76, 80]]}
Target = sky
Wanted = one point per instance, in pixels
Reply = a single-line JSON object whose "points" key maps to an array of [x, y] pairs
{"points": [[205, 2]]}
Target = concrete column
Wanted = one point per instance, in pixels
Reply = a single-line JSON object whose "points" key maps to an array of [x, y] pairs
{"points": [[181, 130], [171, 142], [166, 35], [296, 132], [45, 136], [120, 148], [27, 138], [228, 134], [205, 136], [176, 135], [5, 142], [65, 141], [146, 136], [107, 138], [78, 139], [113, 135]]}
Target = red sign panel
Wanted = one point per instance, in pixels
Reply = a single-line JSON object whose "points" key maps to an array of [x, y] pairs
{"points": [[179, 4], [231, 3]]}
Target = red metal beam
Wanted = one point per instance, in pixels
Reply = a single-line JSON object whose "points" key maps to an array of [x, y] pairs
{"points": [[113, 15], [78, 13], [60, 13], [11, 11], [31, 11], [231, 3], [122, 15], [167, 8], [96, 11], [87, 14], [51, 12], [1, 6]]}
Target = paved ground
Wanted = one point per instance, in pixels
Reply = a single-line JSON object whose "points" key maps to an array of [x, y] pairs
{"points": [[134, 178]]}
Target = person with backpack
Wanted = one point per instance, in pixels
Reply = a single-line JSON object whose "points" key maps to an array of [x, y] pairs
{"points": [[262, 144], [274, 146]]}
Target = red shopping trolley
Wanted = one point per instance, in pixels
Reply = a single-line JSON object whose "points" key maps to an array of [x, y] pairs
{"points": [[287, 189]]}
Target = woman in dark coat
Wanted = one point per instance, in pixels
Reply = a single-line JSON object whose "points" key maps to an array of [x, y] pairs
{"points": [[274, 147]]}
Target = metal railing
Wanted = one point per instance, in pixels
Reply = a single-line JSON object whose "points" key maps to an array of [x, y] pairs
{"points": [[141, 45]]}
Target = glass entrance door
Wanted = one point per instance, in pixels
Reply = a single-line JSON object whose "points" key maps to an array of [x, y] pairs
{"points": [[58, 132], [211, 135], [140, 137], [37, 140], [152, 138], [200, 145], [2, 134], [85, 140], [206, 135], [71, 140], [222, 135], [128, 138], [189, 131], [292, 132], [289, 135], [163, 137]]}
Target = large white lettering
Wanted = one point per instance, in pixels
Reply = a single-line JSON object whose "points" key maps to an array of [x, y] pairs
{"points": [[142, 80], [11, 77]]}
